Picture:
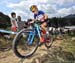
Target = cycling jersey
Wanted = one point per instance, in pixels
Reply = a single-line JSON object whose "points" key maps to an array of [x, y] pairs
{"points": [[39, 16]]}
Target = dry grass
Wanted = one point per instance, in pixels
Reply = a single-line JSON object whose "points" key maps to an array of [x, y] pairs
{"points": [[61, 50]]}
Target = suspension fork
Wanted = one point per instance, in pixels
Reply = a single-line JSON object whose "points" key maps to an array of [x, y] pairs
{"points": [[33, 33], [31, 37]]}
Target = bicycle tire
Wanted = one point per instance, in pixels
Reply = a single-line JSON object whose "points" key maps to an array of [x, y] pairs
{"points": [[16, 41], [49, 44]]}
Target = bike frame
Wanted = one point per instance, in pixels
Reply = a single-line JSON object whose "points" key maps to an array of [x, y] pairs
{"points": [[32, 34]]}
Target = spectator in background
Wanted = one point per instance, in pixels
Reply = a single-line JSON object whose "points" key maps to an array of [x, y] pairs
{"points": [[20, 23], [13, 22], [18, 18]]}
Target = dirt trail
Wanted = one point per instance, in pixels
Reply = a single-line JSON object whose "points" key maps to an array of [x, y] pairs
{"points": [[9, 57]]}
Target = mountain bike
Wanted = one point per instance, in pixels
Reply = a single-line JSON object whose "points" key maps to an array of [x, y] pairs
{"points": [[27, 41]]}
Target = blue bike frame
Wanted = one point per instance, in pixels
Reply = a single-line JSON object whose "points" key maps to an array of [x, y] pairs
{"points": [[36, 31]]}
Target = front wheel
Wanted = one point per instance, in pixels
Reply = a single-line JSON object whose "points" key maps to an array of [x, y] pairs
{"points": [[21, 46]]}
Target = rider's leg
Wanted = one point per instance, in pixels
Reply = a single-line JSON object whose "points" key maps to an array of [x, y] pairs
{"points": [[43, 25], [44, 29]]}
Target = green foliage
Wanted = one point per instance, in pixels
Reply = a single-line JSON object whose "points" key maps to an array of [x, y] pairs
{"points": [[4, 21], [61, 22]]}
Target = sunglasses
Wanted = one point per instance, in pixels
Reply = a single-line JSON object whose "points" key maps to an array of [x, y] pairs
{"points": [[33, 11]]}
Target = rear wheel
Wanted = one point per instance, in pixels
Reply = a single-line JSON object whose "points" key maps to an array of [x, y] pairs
{"points": [[49, 41], [21, 46]]}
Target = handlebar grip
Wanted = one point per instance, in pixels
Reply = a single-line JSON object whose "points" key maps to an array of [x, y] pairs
{"points": [[37, 21]]}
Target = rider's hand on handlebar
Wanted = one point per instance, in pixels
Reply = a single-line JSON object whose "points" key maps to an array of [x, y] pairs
{"points": [[31, 22]]}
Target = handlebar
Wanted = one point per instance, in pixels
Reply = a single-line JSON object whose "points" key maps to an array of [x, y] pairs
{"points": [[37, 22]]}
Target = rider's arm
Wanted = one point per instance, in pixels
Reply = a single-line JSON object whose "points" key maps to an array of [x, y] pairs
{"points": [[33, 20], [45, 16]]}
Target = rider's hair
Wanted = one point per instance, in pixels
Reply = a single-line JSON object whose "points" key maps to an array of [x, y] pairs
{"points": [[33, 7], [13, 13]]}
